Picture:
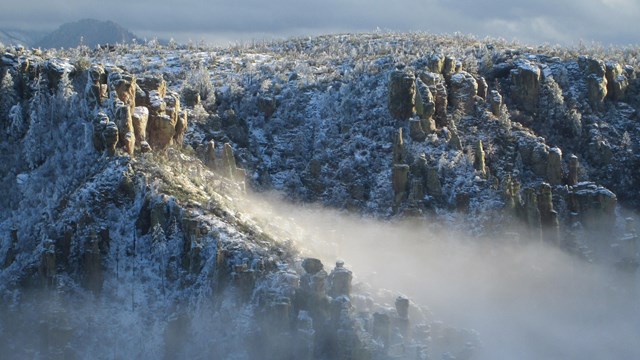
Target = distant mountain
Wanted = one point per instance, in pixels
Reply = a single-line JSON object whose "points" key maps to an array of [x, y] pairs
{"points": [[20, 37], [89, 32]]}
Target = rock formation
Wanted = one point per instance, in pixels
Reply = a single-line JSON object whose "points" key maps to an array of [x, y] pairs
{"points": [[478, 159], [495, 102], [525, 81], [402, 92], [416, 132], [548, 216], [595, 71], [554, 166], [400, 183], [463, 91]]}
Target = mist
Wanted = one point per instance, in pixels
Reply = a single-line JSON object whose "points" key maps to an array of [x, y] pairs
{"points": [[526, 299]]}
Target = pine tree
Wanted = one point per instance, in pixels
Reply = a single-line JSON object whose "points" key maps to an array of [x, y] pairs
{"points": [[39, 137], [8, 98], [17, 126]]}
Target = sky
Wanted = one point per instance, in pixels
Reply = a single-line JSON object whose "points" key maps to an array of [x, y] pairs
{"points": [[229, 21]]}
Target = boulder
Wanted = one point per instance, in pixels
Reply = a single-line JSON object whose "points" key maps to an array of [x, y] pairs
{"points": [[402, 91]]}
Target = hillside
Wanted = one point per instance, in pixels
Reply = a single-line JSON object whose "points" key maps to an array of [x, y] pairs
{"points": [[88, 32], [478, 199], [20, 37]]}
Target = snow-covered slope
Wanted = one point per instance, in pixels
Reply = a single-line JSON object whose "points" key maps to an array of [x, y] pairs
{"points": [[129, 228]]}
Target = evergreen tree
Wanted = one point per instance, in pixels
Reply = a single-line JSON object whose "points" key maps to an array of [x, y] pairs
{"points": [[39, 137], [8, 98], [17, 126]]}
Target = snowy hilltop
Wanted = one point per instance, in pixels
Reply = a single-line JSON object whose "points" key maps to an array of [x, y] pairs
{"points": [[135, 220]]}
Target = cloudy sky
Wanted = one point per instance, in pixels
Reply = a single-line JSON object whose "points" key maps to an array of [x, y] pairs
{"points": [[223, 21]]}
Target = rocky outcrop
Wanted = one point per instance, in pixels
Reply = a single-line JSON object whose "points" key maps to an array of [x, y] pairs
{"points": [[416, 132], [495, 102], [400, 183], [617, 81], [525, 81], [572, 176], [147, 84], [425, 103], [105, 134], [139, 119], [402, 93], [340, 281], [96, 89], [436, 63], [478, 159], [441, 105], [531, 212], [463, 90], [548, 216], [55, 69], [398, 152], [554, 166], [595, 205], [161, 126], [124, 121], [595, 72], [124, 86], [483, 87]]}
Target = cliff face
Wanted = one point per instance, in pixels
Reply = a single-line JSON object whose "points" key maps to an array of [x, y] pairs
{"points": [[125, 175]]}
